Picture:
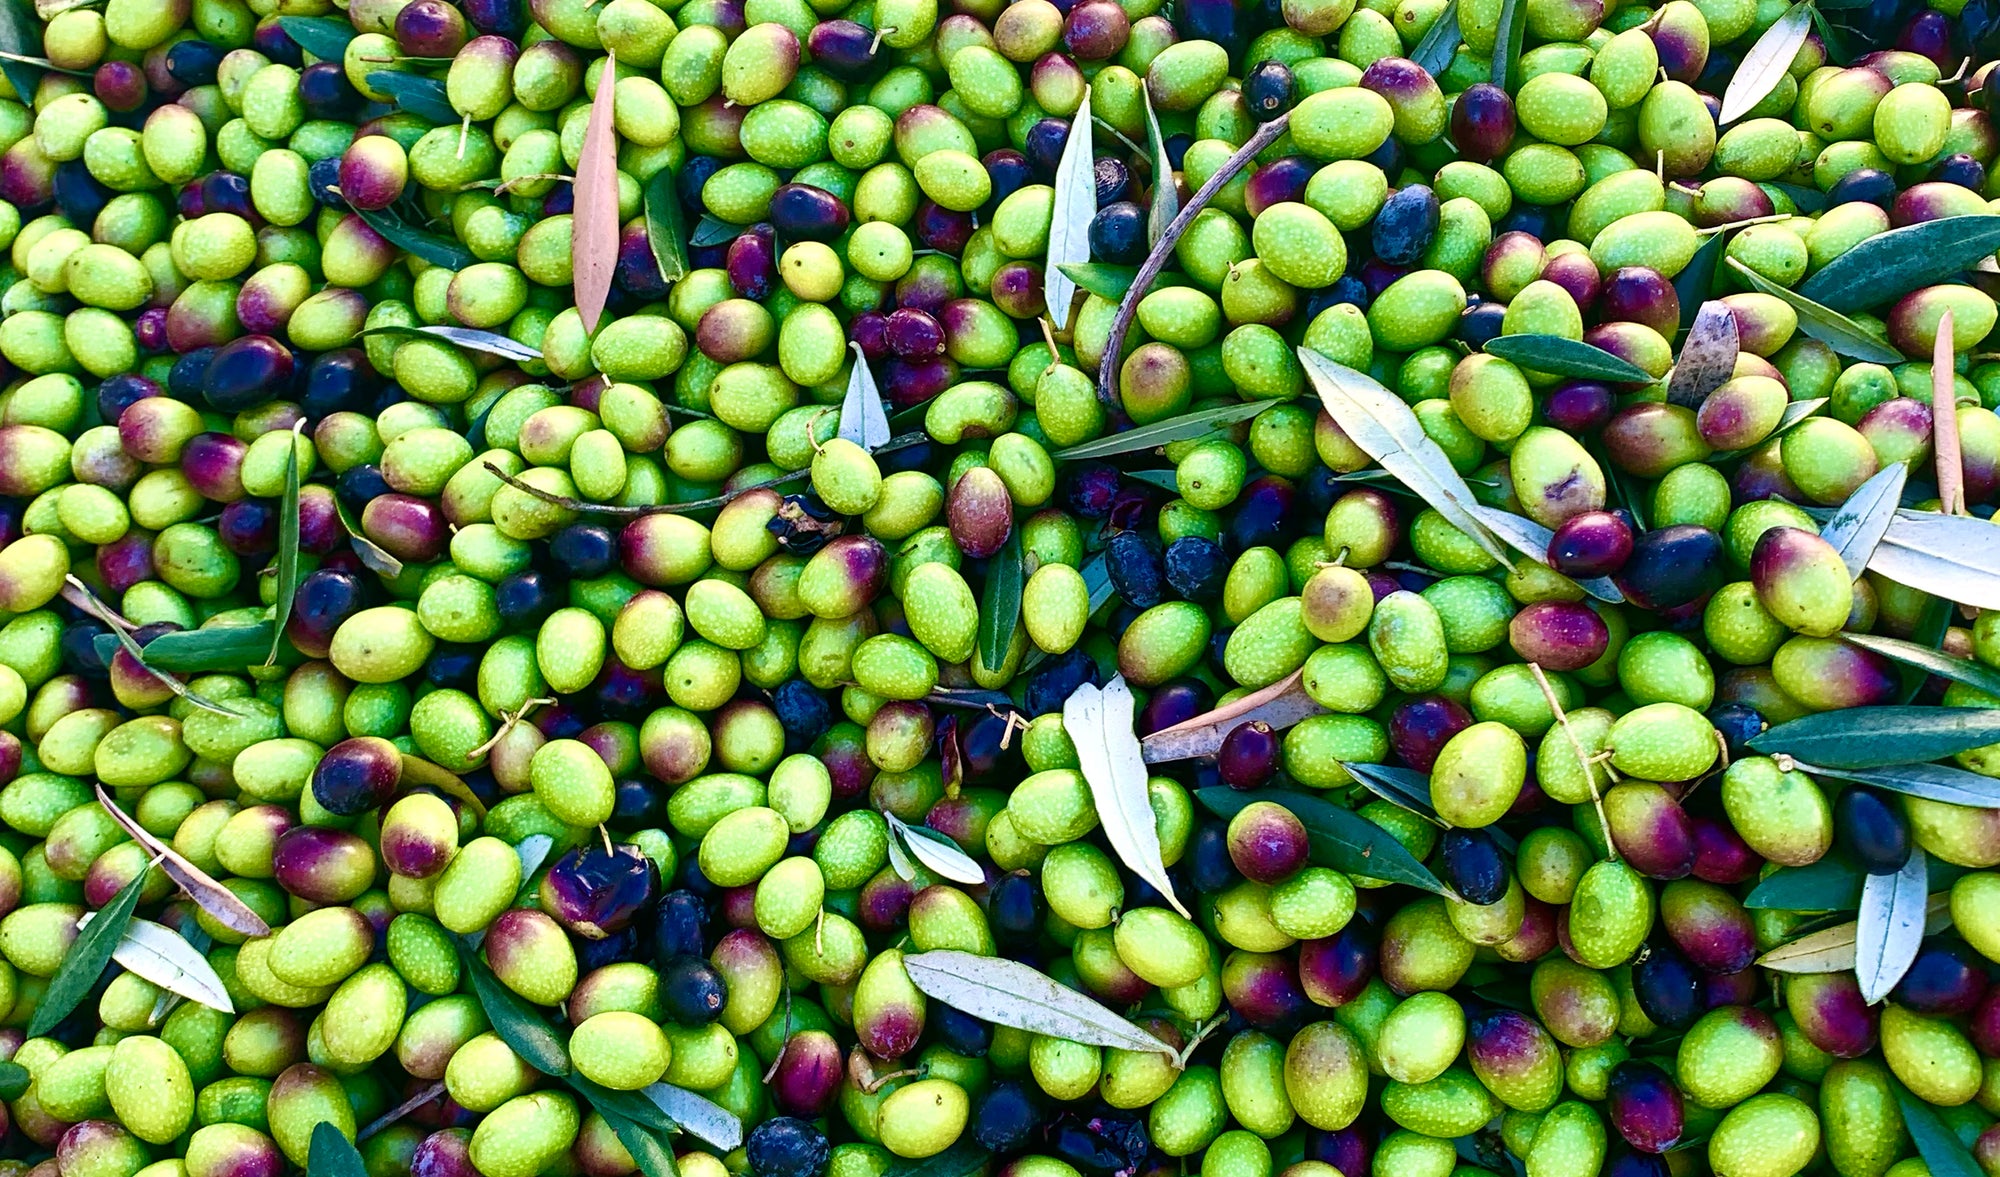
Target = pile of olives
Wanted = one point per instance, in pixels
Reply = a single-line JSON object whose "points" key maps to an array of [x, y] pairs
{"points": [[538, 749]]}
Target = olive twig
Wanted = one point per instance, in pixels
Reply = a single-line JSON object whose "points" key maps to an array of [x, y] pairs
{"points": [[1119, 135], [508, 721], [400, 1110], [1589, 765], [1156, 258], [785, 1041], [76, 594]]}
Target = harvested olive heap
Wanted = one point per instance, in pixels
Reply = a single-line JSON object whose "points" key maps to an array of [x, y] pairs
{"points": [[1118, 588]]}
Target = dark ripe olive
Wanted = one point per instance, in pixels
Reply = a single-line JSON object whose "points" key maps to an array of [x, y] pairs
{"points": [[1578, 406], [1136, 571], [593, 894], [1096, 29], [1267, 90], [407, 527], [943, 229], [1983, 1026], [1721, 856], [624, 694], [1335, 970], [339, 380], [1474, 866], [120, 86], [637, 804], [1210, 868], [801, 212], [1197, 569], [1101, 1145], [1009, 1117], [1961, 169], [843, 48], [638, 272], [1264, 515], [78, 195], [1870, 830], [1405, 226], [1559, 635], [1945, 980], [1738, 723], [786, 1147], [752, 261], [501, 17], [1015, 911], [1114, 182], [525, 599], [150, 330], [1641, 294], [561, 201], [1089, 488], [807, 1074], [1378, 275], [1482, 122], [844, 751], [1279, 181], [1737, 988], [1008, 172], [1346, 1149], [1174, 702], [1593, 544], [228, 192], [357, 775], [584, 550], [270, 39], [884, 903], [246, 373], [1249, 756], [959, 1032], [1044, 147], [1480, 323], [326, 92], [79, 647], [680, 923], [1134, 508], [1672, 567], [595, 954], [192, 63], [914, 334], [804, 711], [1057, 679], [324, 599], [430, 28], [1225, 22], [870, 329], [117, 393], [454, 666], [1667, 987], [1868, 185], [1577, 274], [323, 179], [1419, 728], [932, 282], [249, 527], [1644, 1106], [358, 486], [122, 563]]}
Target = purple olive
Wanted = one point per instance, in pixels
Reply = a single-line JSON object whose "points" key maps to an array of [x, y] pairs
{"points": [[430, 28], [913, 334], [1593, 544], [1578, 407], [1250, 756], [1175, 702], [1645, 1107], [357, 775], [1641, 294], [594, 894], [809, 1073], [248, 372], [1482, 122], [323, 865], [844, 48], [1263, 987], [1335, 970], [1673, 566], [1420, 727], [1560, 635], [801, 212], [1945, 980]]}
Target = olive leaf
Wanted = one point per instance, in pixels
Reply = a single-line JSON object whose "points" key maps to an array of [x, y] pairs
{"points": [[324, 37], [419, 773], [218, 901], [194, 937], [1933, 623], [1942, 1152], [712, 230], [1378, 421], [1166, 203], [1566, 357], [373, 557], [1186, 427], [1167, 480], [1861, 522], [1103, 279], [417, 94], [1008, 993], [1281, 705], [1696, 282], [1889, 927], [1000, 609], [288, 549], [1405, 788], [1707, 357], [1889, 265], [938, 853], [533, 851], [1767, 62], [1075, 206], [666, 226], [1932, 782], [651, 1154], [1831, 884], [20, 37], [593, 242], [1836, 45], [1434, 51], [491, 342], [1880, 737], [158, 954], [1831, 950], [332, 1154], [1951, 556], [863, 420], [14, 1080], [83, 962], [1823, 323], [1531, 539], [630, 1105], [1099, 722], [211, 648], [1794, 412], [522, 1027], [437, 250], [1337, 837], [1976, 675], [1509, 36], [697, 1115], [966, 1157]]}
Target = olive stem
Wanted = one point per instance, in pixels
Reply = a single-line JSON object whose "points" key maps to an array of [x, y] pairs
{"points": [[1118, 135], [45, 63], [400, 1110], [1589, 766], [1944, 422], [76, 594], [783, 1042], [1156, 258], [1763, 220]]}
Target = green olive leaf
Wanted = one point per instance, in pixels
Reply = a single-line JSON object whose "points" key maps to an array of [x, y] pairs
{"points": [[960, 1160], [1889, 265], [332, 1154], [1566, 357], [666, 225], [523, 1028], [1510, 34], [84, 962], [437, 250], [629, 1105], [1932, 782], [1166, 203], [1831, 884], [1405, 788], [288, 550], [1186, 427], [1976, 675], [1823, 323], [1695, 284], [650, 1153], [1000, 608], [416, 94], [324, 37], [1943, 1155], [1439, 41], [211, 648], [1881, 737], [1339, 838], [14, 1080], [712, 230], [20, 36]]}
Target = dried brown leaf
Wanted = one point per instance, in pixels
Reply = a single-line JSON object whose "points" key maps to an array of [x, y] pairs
{"points": [[594, 228], [209, 895]]}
